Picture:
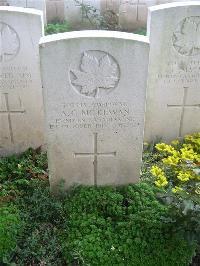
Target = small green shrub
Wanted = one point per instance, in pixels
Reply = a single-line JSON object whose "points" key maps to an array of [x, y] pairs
{"points": [[122, 226], [10, 228], [57, 27]]}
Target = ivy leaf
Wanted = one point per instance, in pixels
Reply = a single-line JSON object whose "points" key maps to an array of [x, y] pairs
{"points": [[95, 74]]}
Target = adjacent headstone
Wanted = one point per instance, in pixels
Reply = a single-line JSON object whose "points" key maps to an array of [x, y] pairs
{"points": [[173, 97], [21, 108], [4, 3], [94, 93], [55, 10], [133, 13], [37, 4], [82, 14]]}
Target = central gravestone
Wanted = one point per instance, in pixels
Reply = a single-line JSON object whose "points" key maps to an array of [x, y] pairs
{"points": [[94, 93]]}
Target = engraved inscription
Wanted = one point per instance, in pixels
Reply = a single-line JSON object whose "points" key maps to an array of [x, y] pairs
{"points": [[9, 112], [98, 73], [186, 38], [9, 42], [95, 154], [183, 71], [15, 77], [98, 115], [183, 106]]}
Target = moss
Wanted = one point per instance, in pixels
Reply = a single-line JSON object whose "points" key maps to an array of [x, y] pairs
{"points": [[10, 227]]}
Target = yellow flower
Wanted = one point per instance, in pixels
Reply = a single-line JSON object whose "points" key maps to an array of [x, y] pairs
{"points": [[165, 147], [184, 176], [161, 181], [188, 154], [176, 189], [175, 142], [156, 171], [188, 146], [188, 137], [171, 160], [160, 146]]}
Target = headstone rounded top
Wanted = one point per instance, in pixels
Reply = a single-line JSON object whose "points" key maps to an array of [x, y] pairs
{"points": [[174, 5], [93, 34], [21, 10]]}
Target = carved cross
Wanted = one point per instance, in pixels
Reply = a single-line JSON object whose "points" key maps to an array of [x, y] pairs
{"points": [[183, 106], [9, 113], [95, 155]]}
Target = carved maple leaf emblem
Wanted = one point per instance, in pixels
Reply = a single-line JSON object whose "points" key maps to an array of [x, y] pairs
{"points": [[9, 42], [188, 38], [95, 74]]}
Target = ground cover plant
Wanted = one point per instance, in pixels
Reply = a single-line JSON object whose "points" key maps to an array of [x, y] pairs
{"points": [[155, 222], [57, 27]]}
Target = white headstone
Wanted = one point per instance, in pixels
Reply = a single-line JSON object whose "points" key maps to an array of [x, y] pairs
{"points": [[82, 13], [55, 10], [37, 4], [173, 96], [94, 93], [21, 109]]}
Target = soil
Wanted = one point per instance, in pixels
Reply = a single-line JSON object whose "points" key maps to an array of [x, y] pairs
{"points": [[196, 260]]}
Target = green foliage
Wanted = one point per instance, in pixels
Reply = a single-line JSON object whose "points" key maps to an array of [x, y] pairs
{"points": [[122, 226], [10, 227], [141, 31], [184, 213], [106, 21], [43, 216], [18, 172], [89, 226], [57, 27]]}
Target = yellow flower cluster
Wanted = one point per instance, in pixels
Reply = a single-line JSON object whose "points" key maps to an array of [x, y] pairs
{"points": [[187, 153], [184, 176], [165, 148], [161, 180], [171, 160], [194, 141], [181, 161], [176, 189]]}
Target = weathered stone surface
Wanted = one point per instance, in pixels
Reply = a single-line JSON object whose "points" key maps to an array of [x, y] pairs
{"points": [[37, 4], [81, 18], [173, 97], [21, 108], [94, 93], [55, 10]]}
